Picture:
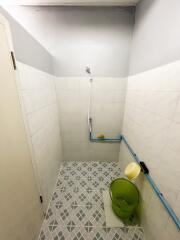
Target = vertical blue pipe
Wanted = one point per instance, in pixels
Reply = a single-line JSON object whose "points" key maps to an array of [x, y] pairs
{"points": [[148, 177], [154, 186]]}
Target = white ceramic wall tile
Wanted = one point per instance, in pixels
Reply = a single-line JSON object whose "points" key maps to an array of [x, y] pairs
{"points": [[107, 83], [174, 137], [38, 97], [72, 135], [177, 112], [151, 125], [104, 156], [108, 97]]}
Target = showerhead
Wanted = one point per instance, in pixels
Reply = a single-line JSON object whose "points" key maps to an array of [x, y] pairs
{"points": [[88, 70]]}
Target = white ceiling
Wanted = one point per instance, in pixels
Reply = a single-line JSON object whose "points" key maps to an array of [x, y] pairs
{"points": [[72, 2]]}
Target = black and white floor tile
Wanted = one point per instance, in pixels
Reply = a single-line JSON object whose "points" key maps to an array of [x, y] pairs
{"points": [[76, 210]]}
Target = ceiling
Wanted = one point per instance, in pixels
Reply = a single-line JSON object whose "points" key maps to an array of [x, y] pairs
{"points": [[72, 2]]}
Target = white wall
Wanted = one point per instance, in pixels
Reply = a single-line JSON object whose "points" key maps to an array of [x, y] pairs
{"points": [[156, 36], [101, 38], [40, 109], [30, 49], [151, 121], [80, 36], [20, 212], [108, 96], [152, 127]]}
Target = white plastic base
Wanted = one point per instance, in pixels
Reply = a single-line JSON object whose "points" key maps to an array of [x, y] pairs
{"points": [[111, 219]]}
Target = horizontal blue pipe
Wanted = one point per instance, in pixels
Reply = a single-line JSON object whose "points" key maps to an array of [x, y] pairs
{"points": [[104, 139], [154, 186], [92, 139], [148, 177]]}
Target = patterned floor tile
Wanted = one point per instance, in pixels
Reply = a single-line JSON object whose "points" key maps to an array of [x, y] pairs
{"points": [[80, 234], [44, 233], [61, 234], [98, 234], [50, 215], [97, 217], [95, 198], [80, 215], [76, 210]]}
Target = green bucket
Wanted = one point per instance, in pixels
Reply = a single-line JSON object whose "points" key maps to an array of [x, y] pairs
{"points": [[125, 197]]}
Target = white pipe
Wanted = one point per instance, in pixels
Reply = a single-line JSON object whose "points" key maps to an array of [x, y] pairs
{"points": [[90, 97]]}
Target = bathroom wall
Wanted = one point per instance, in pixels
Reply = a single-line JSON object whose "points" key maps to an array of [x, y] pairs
{"points": [[27, 48], [100, 38], [108, 96], [80, 36], [38, 99], [76, 37], [20, 215], [36, 86], [156, 37], [151, 121], [152, 127]]}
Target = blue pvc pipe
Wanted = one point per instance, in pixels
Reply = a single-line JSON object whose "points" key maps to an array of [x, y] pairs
{"points": [[92, 139], [148, 177], [164, 201], [154, 186]]}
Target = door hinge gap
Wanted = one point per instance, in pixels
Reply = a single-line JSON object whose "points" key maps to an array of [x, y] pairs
{"points": [[41, 199], [13, 60]]}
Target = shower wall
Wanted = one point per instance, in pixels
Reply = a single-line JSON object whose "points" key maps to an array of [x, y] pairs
{"points": [[39, 105], [108, 96], [152, 127], [76, 37], [151, 121]]}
